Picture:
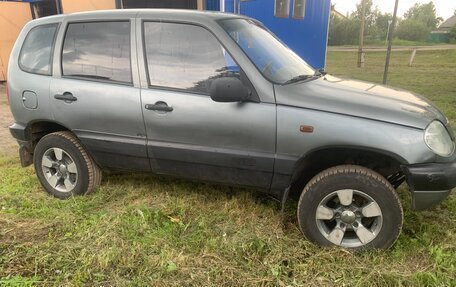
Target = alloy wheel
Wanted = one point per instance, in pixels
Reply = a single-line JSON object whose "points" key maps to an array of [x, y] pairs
{"points": [[59, 169], [349, 218]]}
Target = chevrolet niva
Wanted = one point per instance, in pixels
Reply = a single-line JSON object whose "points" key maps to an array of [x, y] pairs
{"points": [[217, 97]]}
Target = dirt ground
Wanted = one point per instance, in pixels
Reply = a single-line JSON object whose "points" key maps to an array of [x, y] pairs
{"points": [[7, 143]]}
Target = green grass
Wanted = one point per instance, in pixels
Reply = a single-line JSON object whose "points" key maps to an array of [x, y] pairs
{"points": [[397, 42], [401, 42], [145, 230]]}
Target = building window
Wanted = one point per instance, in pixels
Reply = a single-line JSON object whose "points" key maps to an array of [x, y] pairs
{"points": [[185, 57], [36, 53], [97, 51], [282, 8], [299, 9], [43, 8]]}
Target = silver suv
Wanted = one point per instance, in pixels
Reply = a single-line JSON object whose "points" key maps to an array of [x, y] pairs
{"points": [[217, 97]]}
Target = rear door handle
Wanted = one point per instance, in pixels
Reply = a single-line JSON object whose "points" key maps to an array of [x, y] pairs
{"points": [[67, 97], [159, 106]]}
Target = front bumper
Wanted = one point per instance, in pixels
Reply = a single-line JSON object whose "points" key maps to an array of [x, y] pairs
{"points": [[430, 183]]}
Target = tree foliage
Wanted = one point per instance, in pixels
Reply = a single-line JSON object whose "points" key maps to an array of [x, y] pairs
{"points": [[412, 30], [418, 22], [453, 33], [425, 14], [345, 31]]}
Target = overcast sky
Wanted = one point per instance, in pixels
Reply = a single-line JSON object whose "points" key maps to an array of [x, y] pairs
{"points": [[445, 8]]}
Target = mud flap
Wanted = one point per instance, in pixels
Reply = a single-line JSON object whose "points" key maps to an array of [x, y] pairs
{"points": [[284, 199], [25, 156]]}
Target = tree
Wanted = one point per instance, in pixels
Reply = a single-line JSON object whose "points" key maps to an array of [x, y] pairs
{"points": [[412, 30], [452, 34], [424, 13], [370, 12], [376, 23], [382, 23], [346, 31], [343, 31]]}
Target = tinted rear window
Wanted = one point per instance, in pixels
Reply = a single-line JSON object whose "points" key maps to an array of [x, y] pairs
{"points": [[97, 51], [36, 53]]}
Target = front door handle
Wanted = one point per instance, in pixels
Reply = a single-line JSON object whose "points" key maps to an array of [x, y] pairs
{"points": [[159, 106], [67, 97]]}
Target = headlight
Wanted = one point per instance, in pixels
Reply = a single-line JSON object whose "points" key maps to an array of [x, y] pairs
{"points": [[438, 140]]}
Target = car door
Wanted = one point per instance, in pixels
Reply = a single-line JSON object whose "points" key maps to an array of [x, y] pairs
{"points": [[189, 134], [96, 93]]}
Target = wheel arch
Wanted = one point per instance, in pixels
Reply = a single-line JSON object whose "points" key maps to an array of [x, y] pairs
{"points": [[39, 128], [310, 164], [31, 135]]}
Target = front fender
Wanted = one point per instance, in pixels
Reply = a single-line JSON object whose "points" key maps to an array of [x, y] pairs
{"points": [[330, 129]]}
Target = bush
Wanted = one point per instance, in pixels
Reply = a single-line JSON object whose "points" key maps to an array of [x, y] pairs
{"points": [[412, 30], [343, 31], [453, 33]]}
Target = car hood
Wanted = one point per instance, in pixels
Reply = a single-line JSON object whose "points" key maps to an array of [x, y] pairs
{"points": [[360, 99]]}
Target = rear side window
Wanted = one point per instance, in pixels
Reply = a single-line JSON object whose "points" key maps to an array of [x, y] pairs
{"points": [[36, 52], [97, 51], [185, 57]]}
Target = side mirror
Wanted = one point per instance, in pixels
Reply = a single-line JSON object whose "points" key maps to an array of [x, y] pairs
{"points": [[228, 89]]}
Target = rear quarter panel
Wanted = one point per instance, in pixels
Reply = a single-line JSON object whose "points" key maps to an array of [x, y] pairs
{"points": [[20, 81]]}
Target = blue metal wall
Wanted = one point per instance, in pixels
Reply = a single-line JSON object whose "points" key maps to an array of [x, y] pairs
{"points": [[229, 6], [212, 5], [308, 37]]}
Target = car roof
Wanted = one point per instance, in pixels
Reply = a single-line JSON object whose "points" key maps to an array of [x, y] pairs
{"points": [[156, 14]]}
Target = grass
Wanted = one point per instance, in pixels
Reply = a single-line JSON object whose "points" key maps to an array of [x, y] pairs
{"points": [[145, 230], [401, 42], [396, 42]]}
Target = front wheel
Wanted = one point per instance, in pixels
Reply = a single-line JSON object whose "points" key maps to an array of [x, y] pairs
{"points": [[63, 166], [352, 207]]}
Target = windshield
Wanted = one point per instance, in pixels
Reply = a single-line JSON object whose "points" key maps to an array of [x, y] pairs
{"points": [[277, 62]]}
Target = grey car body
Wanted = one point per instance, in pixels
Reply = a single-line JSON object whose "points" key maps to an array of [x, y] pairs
{"points": [[276, 142]]}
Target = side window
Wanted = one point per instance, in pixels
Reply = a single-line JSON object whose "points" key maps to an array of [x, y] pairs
{"points": [[98, 51], [186, 57], [282, 8], [299, 9], [36, 52]]}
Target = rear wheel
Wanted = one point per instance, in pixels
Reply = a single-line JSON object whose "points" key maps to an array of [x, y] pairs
{"points": [[352, 207], [63, 167]]}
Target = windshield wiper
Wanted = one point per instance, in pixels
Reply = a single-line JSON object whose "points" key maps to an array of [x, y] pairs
{"points": [[299, 78], [320, 73], [307, 77]]}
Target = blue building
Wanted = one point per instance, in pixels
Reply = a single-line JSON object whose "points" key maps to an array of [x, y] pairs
{"points": [[301, 24]]}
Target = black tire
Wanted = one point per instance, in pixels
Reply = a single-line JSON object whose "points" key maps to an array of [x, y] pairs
{"points": [[369, 184], [88, 175]]}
